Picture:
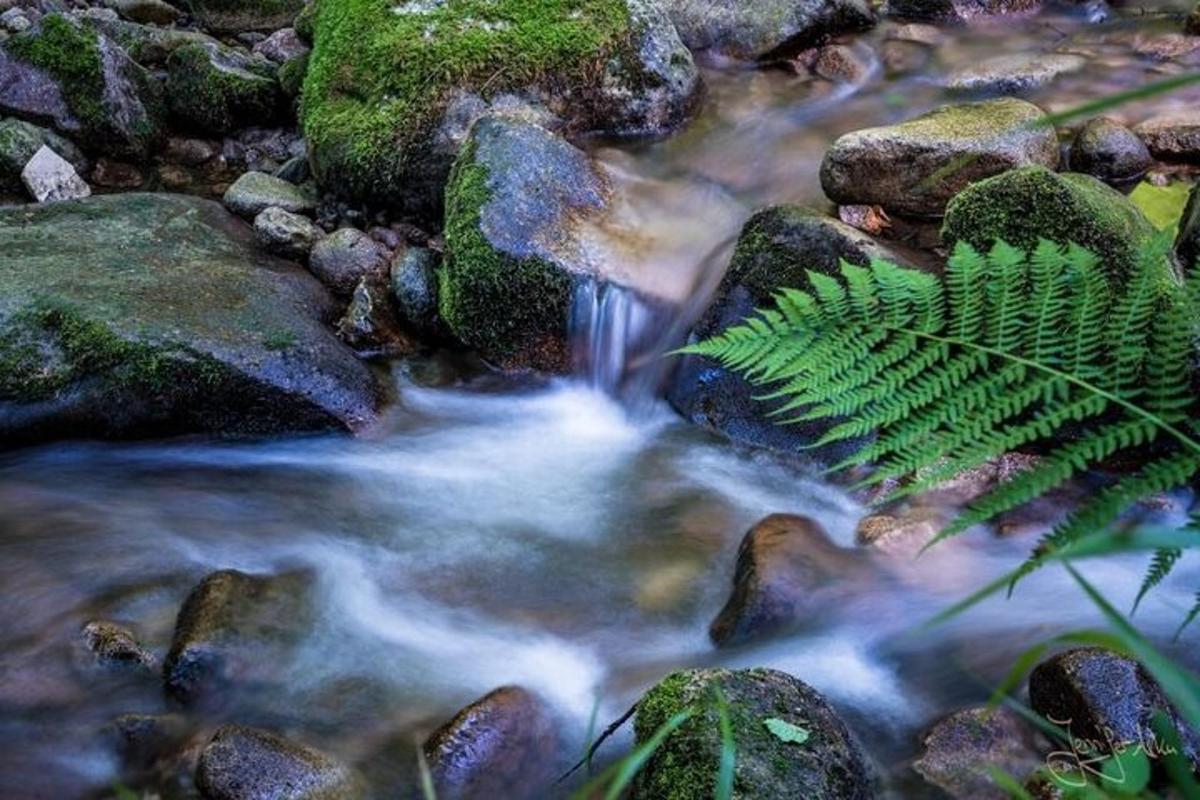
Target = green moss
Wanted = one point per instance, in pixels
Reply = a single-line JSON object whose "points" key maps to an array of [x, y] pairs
{"points": [[378, 79], [1027, 204], [214, 92], [291, 74], [280, 340], [506, 308], [71, 54]]}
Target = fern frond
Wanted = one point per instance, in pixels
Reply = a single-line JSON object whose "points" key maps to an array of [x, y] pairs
{"points": [[1160, 567]]}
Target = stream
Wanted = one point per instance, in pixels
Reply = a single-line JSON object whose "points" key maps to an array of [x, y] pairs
{"points": [[573, 536]]}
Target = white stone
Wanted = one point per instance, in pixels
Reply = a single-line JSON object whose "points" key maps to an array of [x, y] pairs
{"points": [[49, 177]]}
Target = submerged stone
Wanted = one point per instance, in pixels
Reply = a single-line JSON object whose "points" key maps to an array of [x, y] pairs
{"points": [[392, 88], [178, 324], [1013, 73], [827, 765], [243, 763], [764, 29], [915, 167]]}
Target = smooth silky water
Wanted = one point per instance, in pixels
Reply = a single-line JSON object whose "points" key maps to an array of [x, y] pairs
{"points": [[572, 536]]}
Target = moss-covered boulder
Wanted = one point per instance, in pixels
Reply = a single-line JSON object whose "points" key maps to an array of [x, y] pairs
{"points": [[145, 315], [915, 167], [826, 765], [238, 16], [66, 75], [216, 89], [765, 29], [392, 87], [19, 140], [1032, 203], [513, 204]]}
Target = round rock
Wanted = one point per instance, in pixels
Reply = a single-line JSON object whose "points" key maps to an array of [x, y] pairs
{"points": [[1109, 151], [345, 257]]}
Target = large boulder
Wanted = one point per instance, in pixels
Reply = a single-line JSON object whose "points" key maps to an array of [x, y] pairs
{"points": [[239, 16], [516, 198], [66, 75], [765, 29], [1106, 698], [216, 89], [828, 765], [234, 632], [503, 745], [19, 141], [789, 572], [957, 11], [140, 315], [392, 88], [242, 763], [1032, 203], [962, 749], [915, 167], [776, 249]]}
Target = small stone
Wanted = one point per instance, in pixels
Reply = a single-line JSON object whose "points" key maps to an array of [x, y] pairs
{"points": [[901, 534], [1174, 136], [116, 174], [191, 152], [917, 32], [281, 46], [286, 234], [962, 748], [369, 325], [414, 286], [49, 178], [842, 64], [242, 763], [114, 645], [254, 192], [1110, 151], [345, 257]]}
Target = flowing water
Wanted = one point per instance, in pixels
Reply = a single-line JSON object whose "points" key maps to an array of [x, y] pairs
{"points": [[571, 536]]}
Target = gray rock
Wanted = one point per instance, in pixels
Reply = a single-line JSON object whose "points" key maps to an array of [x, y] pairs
{"points": [[1187, 244], [113, 645], [216, 89], [415, 288], [957, 11], [915, 167], [20, 140], [148, 45], [788, 572], [503, 745], [829, 765], [101, 98], [281, 46], [236, 633], [961, 749], [286, 234], [765, 29], [51, 178], [1106, 149], [1105, 697], [155, 12], [215, 336], [776, 247], [370, 324], [242, 763], [14, 21], [1174, 136], [1015, 73], [345, 257], [255, 192]]}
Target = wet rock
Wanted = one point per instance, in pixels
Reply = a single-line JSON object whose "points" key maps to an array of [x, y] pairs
{"points": [[285, 234], [113, 645], [50, 178], [902, 57], [141, 739], [156, 12], [345, 257], [415, 289], [1015, 73], [1174, 136], [788, 571], [612, 67], [370, 325], [842, 63], [915, 167], [237, 16], [765, 29], [776, 248], [236, 631], [503, 745], [513, 251], [216, 89], [255, 192], [899, 534], [1187, 244], [828, 766], [141, 344], [1106, 149], [1032, 203], [1104, 697], [957, 11], [282, 46], [242, 763], [117, 175], [97, 96], [960, 750], [19, 141]]}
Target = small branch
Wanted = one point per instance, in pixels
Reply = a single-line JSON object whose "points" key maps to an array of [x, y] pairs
{"points": [[609, 731]]}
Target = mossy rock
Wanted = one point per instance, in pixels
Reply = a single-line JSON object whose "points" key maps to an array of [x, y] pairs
{"points": [[148, 45], [139, 315], [915, 167], [81, 82], [392, 88], [238, 16], [828, 765], [19, 140], [1024, 205], [505, 286], [216, 90]]}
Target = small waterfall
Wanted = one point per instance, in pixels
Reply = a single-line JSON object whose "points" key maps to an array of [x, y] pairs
{"points": [[613, 337]]}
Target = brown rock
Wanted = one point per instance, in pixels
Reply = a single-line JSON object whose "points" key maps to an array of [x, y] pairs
{"points": [[113, 645], [1174, 136], [960, 749]]}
